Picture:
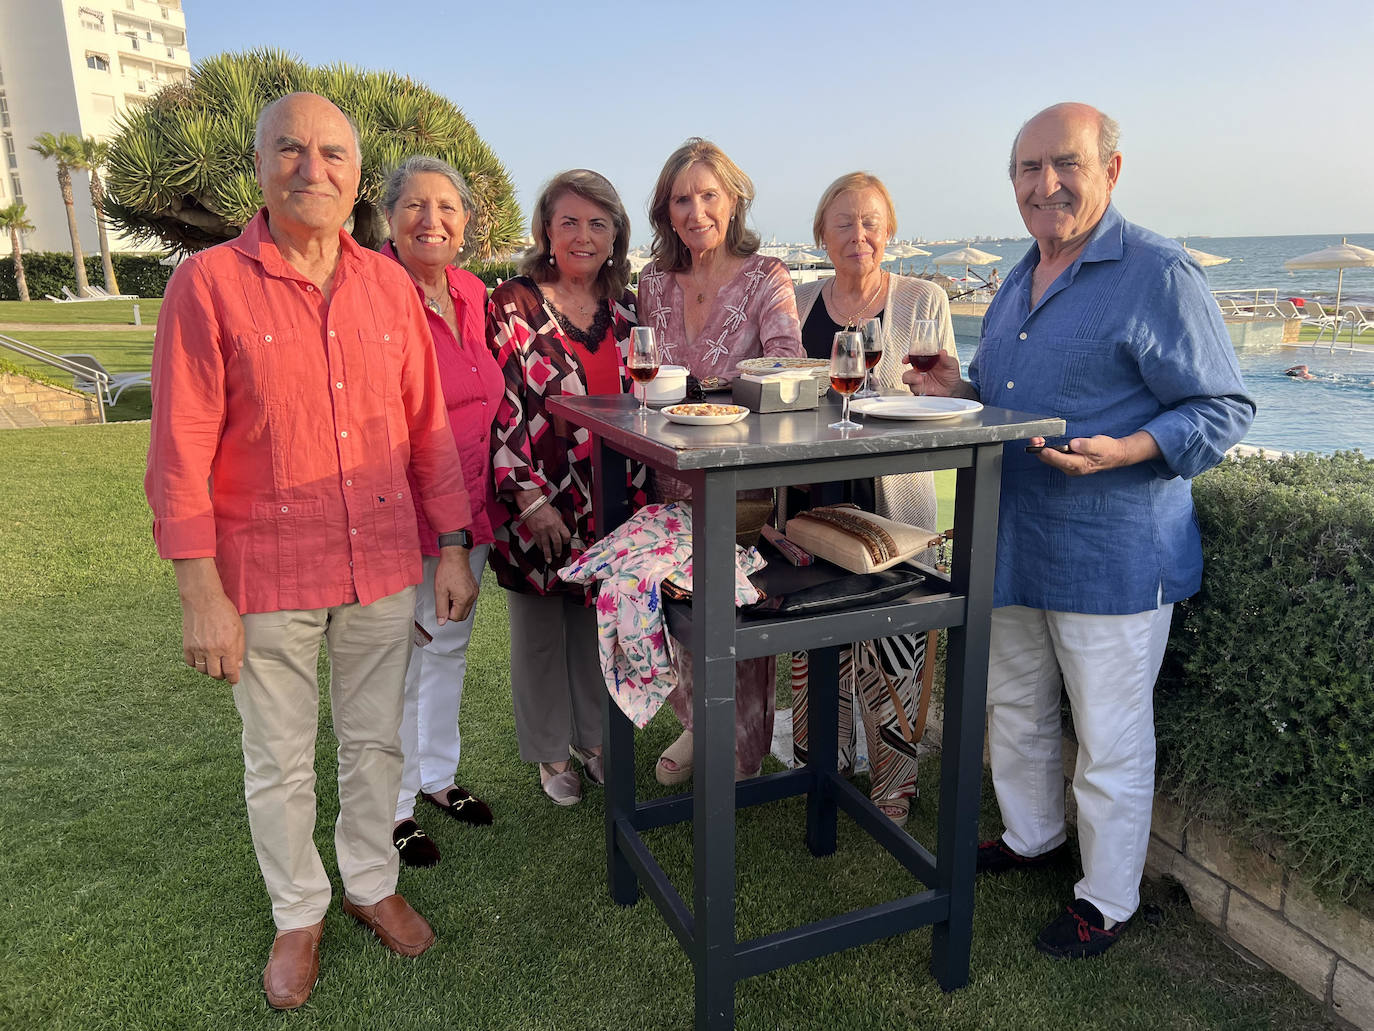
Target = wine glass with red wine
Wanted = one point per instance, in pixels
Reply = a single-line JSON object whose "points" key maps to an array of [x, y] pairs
{"points": [[642, 363], [872, 332], [847, 372], [924, 352]]}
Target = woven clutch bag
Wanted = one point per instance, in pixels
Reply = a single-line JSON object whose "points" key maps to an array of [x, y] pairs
{"points": [[857, 540]]}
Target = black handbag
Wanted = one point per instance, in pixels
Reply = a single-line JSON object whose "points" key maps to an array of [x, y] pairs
{"points": [[847, 592]]}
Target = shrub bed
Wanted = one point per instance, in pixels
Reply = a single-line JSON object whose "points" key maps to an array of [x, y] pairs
{"points": [[47, 272], [1265, 708]]}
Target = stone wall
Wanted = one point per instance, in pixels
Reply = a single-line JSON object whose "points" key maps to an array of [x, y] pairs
{"points": [[24, 402]]}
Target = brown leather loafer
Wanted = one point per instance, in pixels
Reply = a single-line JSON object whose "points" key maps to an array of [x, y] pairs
{"points": [[293, 966], [402, 930]]}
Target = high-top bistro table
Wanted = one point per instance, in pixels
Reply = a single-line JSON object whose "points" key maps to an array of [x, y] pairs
{"points": [[773, 451]]}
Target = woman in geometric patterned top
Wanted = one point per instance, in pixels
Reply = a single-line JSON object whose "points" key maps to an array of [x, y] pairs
{"points": [[559, 328]]}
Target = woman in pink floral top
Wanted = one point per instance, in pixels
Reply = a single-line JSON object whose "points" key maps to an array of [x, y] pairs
{"points": [[714, 302]]}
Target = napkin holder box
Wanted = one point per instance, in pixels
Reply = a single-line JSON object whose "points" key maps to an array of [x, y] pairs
{"points": [[773, 393]]}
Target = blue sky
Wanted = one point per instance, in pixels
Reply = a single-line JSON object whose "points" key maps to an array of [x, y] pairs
{"points": [[1237, 118]]}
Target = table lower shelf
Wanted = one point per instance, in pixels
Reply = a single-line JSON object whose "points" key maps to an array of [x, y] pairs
{"points": [[807, 941]]}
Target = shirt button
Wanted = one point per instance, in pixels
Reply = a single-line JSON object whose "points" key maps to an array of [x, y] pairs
{"points": [[338, 386], [399, 494], [353, 531], [267, 337], [386, 336], [331, 332], [348, 483], [343, 433], [1023, 336], [1011, 384], [309, 288], [283, 508]]}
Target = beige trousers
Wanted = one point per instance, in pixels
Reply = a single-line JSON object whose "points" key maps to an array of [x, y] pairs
{"points": [[278, 698]]}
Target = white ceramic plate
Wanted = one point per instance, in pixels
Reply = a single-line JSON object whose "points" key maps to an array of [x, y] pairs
{"points": [[897, 407], [685, 415]]}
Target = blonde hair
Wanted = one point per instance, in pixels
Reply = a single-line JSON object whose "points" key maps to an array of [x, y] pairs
{"points": [[670, 253], [591, 186], [845, 183]]}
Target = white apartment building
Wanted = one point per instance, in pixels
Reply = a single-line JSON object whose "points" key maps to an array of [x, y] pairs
{"points": [[73, 66]]}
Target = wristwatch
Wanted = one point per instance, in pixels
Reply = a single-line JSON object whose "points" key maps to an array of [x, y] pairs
{"points": [[458, 538]]}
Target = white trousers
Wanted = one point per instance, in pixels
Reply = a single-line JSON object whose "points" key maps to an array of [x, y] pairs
{"points": [[278, 698], [1108, 666], [434, 691]]}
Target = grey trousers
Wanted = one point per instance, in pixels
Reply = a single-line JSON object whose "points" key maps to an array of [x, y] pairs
{"points": [[555, 675]]}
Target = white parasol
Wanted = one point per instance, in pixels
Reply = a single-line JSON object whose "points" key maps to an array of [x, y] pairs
{"points": [[1341, 257], [1203, 258], [967, 256], [901, 251]]}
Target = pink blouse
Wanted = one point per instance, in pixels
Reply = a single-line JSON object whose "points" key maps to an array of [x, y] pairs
{"points": [[755, 314]]}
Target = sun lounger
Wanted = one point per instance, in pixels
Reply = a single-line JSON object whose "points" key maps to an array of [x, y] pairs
{"points": [[118, 381], [99, 293], [69, 297], [1358, 320], [1315, 315]]}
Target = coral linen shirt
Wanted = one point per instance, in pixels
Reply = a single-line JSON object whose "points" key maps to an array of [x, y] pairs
{"points": [[284, 426]]}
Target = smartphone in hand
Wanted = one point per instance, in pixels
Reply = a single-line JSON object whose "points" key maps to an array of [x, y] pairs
{"points": [[1035, 449]]}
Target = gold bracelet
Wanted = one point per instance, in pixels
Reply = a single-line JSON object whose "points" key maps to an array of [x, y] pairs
{"points": [[534, 506]]}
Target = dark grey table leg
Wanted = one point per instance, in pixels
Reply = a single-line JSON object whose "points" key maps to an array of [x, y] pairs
{"points": [[822, 749], [611, 506], [961, 761], [713, 716]]}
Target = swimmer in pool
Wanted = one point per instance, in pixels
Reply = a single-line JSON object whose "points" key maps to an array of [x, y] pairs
{"points": [[1298, 372]]}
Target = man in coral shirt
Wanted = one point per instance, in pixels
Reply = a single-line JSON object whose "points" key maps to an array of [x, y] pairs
{"points": [[294, 390]]}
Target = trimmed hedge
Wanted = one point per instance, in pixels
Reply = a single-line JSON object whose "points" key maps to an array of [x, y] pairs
{"points": [[47, 272], [1265, 706], [491, 272]]}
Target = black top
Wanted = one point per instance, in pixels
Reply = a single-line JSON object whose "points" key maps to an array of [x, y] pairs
{"points": [[818, 335]]}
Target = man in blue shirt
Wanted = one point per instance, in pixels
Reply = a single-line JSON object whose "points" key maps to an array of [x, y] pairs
{"points": [[1111, 328]]}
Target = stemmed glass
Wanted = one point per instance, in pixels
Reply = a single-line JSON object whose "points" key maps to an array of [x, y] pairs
{"points": [[924, 352], [872, 332], [847, 372], [642, 363]]}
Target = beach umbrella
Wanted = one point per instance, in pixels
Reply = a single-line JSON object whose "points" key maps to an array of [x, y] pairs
{"points": [[1341, 257], [967, 256], [901, 251], [1203, 258], [801, 256]]}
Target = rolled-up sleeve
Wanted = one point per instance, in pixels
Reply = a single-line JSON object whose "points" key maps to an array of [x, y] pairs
{"points": [[188, 417], [1186, 359]]}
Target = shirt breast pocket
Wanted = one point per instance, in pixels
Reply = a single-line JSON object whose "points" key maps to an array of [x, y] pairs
{"points": [[268, 365], [1086, 374], [381, 361]]}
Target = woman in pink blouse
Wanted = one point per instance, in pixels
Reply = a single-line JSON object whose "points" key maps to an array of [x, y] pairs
{"points": [[427, 205], [714, 302]]}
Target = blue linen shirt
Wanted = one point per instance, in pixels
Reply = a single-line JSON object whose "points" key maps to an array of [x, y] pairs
{"points": [[1127, 338]]}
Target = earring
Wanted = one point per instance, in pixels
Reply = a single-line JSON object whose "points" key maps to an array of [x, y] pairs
{"points": [[551, 261], [610, 263]]}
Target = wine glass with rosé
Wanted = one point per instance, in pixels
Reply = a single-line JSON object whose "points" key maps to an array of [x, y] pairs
{"points": [[847, 372], [642, 363], [924, 351], [872, 332]]}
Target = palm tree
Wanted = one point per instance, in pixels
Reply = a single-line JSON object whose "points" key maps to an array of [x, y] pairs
{"points": [[65, 149], [94, 154], [15, 219], [181, 166]]}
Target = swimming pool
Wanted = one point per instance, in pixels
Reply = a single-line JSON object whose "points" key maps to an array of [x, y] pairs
{"points": [[1333, 411]]}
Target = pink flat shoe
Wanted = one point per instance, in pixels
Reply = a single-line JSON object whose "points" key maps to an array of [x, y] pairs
{"points": [[563, 787], [591, 763]]}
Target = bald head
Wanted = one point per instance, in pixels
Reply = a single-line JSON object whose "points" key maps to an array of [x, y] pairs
{"points": [[307, 162], [1107, 131], [272, 108]]}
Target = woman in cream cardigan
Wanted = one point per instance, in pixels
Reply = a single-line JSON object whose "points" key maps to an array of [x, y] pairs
{"points": [[854, 221]]}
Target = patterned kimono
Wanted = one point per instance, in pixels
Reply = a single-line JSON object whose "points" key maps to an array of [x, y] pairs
{"points": [[531, 449]]}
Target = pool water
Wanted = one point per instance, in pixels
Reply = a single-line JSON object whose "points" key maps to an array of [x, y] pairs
{"points": [[1333, 411]]}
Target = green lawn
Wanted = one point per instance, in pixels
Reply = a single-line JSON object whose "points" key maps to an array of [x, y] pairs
{"points": [[132, 898], [111, 312]]}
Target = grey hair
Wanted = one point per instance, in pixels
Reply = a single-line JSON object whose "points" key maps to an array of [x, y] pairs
{"points": [[1108, 139], [422, 164], [265, 115]]}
